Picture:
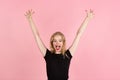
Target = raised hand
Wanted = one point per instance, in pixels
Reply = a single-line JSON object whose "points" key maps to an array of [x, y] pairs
{"points": [[35, 31], [29, 14], [81, 29], [90, 13]]}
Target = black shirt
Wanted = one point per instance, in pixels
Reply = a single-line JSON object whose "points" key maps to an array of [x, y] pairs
{"points": [[57, 65]]}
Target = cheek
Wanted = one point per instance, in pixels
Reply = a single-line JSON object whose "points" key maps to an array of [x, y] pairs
{"points": [[61, 43], [53, 44]]}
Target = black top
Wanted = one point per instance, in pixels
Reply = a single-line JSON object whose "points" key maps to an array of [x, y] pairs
{"points": [[57, 65]]}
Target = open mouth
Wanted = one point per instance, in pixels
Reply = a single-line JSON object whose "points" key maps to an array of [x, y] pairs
{"points": [[57, 47]]}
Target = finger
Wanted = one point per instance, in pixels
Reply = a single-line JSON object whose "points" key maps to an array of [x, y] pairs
{"points": [[29, 12], [26, 13], [86, 11], [91, 11], [33, 12]]}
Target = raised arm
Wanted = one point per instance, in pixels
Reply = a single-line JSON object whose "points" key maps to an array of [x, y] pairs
{"points": [[80, 31], [40, 44]]}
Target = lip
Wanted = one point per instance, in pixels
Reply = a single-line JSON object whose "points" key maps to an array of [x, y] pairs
{"points": [[57, 47]]}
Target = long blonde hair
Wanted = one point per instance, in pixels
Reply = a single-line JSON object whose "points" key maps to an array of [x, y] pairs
{"points": [[63, 39]]}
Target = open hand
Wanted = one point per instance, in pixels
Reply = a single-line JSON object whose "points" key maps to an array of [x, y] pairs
{"points": [[90, 13], [29, 14]]}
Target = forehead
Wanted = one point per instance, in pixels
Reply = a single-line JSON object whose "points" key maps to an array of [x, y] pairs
{"points": [[57, 37]]}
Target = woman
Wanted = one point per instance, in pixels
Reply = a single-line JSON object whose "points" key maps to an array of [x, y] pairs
{"points": [[58, 57]]}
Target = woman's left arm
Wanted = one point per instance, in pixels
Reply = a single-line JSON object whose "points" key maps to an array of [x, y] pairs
{"points": [[80, 31]]}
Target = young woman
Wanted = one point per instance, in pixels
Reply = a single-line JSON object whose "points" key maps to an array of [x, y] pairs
{"points": [[58, 57]]}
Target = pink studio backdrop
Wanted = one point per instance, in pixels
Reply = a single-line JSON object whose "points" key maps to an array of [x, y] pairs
{"points": [[97, 56]]}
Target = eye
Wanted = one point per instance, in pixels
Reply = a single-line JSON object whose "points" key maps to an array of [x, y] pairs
{"points": [[60, 40], [54, 41]]}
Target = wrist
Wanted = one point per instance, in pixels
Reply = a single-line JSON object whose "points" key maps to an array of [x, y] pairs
{"points": [[29, 18], [88, 18]]}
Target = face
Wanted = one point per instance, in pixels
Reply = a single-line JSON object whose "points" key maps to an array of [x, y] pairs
{"points": [[57, 43]]}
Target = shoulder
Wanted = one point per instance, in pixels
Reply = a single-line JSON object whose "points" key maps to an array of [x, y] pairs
{"points": [[48, 52], [68, 53]]}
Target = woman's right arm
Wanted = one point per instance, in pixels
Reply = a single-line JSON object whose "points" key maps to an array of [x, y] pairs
{"points": [[40, 44]]}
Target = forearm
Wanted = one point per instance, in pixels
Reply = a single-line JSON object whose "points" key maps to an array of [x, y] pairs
{"points": [[80, 31], [79, 34], [37, 37], [40, 44], [83, 25], [33, 27]]}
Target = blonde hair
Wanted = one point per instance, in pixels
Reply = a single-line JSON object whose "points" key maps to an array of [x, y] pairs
{"points": [[63, 39]]}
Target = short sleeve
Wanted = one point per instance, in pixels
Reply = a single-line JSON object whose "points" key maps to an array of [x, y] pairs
{"points": [[47, 53], [68, 54]]}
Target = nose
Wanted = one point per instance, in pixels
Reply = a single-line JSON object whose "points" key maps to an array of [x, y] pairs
{"points": [[57, 42]]}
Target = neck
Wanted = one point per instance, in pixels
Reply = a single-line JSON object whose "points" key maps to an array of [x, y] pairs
{"points": [[57, 52]]}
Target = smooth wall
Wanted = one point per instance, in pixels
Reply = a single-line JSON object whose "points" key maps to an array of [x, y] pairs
{"points": [[97, 56]]}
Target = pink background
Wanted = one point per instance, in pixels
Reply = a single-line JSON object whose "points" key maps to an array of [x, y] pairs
{"points": [[97, 56]]}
